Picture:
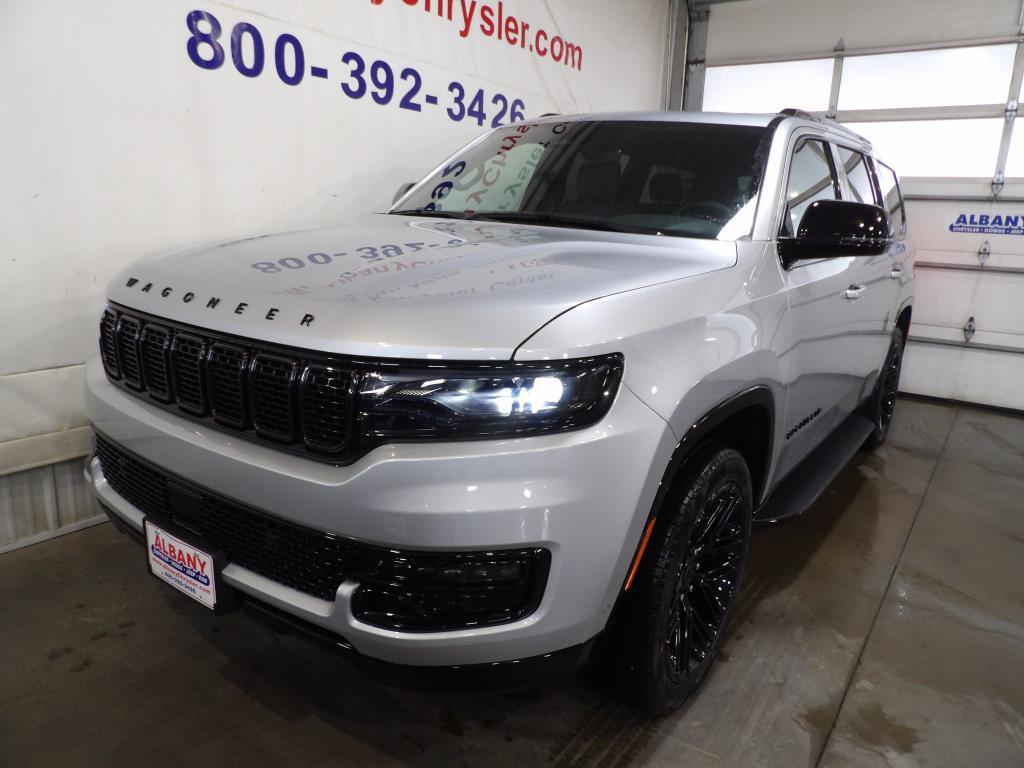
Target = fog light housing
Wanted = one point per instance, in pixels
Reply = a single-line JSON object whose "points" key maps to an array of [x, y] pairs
{"points": [[424, 592]]}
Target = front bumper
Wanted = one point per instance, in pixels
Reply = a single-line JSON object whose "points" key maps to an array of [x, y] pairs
{"points": [[583, 496]]}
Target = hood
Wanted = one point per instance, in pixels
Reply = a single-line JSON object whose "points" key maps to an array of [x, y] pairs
{"points": [[405, 287]]}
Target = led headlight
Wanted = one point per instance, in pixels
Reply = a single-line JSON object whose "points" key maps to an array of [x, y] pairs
{"points": [[504, 399]]}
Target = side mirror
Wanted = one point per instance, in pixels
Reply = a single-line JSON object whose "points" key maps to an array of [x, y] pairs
{"points": [[831, 228], [401, 191]]}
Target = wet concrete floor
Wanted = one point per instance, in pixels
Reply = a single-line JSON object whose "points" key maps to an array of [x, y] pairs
{"points": [[883, 627]]}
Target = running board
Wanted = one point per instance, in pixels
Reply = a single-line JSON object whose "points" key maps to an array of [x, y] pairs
{"points": [[812, 476]]}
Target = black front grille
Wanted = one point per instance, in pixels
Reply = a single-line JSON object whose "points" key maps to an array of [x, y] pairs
{"points": [[188, 359], [415, 591], [303, 559], [310, 561], [326, 407], [228, 367], [266, 393], [156, 361], [274, 381], [108, 343], [129, 330], [140, 484]]}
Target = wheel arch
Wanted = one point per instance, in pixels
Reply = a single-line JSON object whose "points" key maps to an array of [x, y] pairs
{"points": [[755, 407], [746, 422], [903, 320]]}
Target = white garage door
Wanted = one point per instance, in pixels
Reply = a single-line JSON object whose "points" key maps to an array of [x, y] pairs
{"points": [[934, 86]]}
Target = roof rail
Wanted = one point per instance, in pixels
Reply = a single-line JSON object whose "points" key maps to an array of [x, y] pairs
{"points": [[805, 115], [793, 112]]}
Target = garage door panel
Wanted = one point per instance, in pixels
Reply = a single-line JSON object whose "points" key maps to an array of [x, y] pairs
{"points": [[931, 220], [923, 332], [959, 259], [944, 188], [949, 298], [970, 375], [767, 28]]}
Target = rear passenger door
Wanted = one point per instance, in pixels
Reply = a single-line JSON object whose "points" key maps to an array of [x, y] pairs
{"points": [[879, 275], [824, 351]]}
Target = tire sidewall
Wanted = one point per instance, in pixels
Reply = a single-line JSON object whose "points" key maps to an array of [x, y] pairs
{"points": [[677, 516], [882, 429]]}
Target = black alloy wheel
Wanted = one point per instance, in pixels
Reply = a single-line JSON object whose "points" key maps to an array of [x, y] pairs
{"points": [[883, 400], [688, 581], [705, 582]]}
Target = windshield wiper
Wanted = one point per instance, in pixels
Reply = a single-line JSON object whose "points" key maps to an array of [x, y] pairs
{"points": [[434, 214], [529, 217], [558, 220]]}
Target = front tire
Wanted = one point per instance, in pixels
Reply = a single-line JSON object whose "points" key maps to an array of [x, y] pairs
{"points": [[688, 581], [882, 404]]}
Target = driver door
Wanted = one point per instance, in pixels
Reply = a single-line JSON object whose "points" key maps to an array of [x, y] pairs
{"points": [[822, 357]]}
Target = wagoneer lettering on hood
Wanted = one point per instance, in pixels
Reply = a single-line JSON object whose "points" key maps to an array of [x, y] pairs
{"points": [[402, 287]]}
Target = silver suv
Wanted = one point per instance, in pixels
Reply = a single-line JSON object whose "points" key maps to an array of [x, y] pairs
{"points": [[541, 400]]}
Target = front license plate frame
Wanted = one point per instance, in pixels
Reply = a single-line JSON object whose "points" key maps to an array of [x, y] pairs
{"points": [[184, 561]]}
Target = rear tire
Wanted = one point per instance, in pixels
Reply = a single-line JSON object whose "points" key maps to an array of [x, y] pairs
{"points": [[882, 404], [688, 581]]}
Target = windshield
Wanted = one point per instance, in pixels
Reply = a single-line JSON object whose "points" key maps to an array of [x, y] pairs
{"points": [[666, 178]]}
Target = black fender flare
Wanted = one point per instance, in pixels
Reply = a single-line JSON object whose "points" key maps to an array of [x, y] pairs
{"points": [[756, 396], [759, 396]]}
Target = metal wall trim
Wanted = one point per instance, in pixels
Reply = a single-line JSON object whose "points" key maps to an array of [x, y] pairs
{"points": [[966, 345], [968, 267]]}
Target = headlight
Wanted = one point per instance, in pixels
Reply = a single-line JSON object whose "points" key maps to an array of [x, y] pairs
{"points": [[506, 399]]}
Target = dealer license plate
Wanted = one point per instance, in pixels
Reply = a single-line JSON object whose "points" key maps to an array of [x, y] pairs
{"points": [[181, 565]]}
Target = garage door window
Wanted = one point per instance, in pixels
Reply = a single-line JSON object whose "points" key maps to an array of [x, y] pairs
{"points": [[957, 148], [810, 178], [1015, 156], [768, 87], [947, 77]]}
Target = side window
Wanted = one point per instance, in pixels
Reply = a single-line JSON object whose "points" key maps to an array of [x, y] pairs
{"points": [[858, 176], [811, 177], [893, 197]]}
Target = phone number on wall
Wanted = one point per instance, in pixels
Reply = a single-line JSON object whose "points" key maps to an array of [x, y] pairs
{"points": [[376, 79]]}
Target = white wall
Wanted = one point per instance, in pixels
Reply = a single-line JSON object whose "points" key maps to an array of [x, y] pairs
{"points": [[116, 144]]}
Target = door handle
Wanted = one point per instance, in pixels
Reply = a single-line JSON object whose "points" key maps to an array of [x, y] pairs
{"points": [[897, 272], [854, 292]]}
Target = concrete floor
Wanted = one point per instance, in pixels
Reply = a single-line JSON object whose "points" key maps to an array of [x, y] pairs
{"points": [[884, 627]]}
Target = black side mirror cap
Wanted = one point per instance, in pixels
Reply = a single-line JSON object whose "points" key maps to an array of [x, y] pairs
{"points": [[831, 228], [401, 191]]}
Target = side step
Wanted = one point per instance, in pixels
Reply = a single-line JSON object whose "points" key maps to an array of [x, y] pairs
{"points": [[812, 476]]}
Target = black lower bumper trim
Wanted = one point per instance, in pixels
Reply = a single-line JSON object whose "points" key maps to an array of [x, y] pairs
{"points": [[514, 675], [404, 590]]}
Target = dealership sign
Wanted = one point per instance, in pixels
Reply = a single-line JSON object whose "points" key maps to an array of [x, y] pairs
{"points": [[985, 224]]}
